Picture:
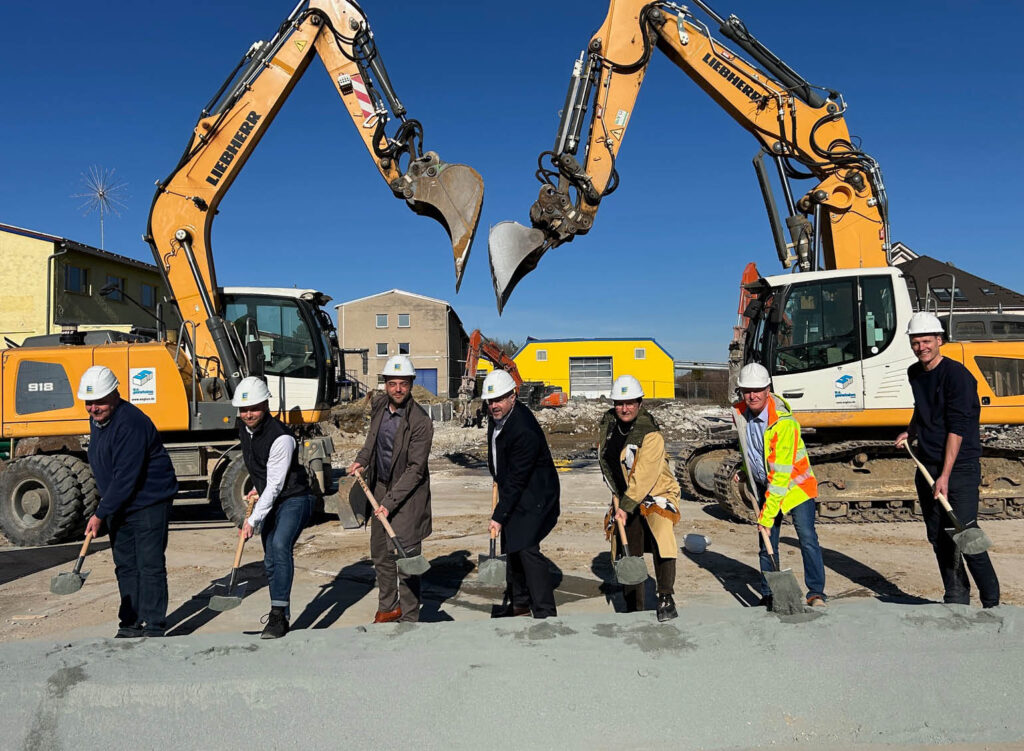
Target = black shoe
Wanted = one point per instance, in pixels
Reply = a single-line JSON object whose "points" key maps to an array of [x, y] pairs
{"points": [[512, 611], [153, 632], [277, 624], [766, 602], [128, 632], [666, 608]]}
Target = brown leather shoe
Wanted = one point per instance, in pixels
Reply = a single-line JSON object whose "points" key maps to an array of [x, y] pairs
{"points": [[387, 616]]}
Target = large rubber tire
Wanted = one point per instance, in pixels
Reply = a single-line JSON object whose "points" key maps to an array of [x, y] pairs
{"points": [[231, 489], [41, 499]]}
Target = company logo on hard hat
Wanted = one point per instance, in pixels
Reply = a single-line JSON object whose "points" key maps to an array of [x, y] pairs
{"points": [[397, 366], [88, 389], [245, 394], [623, 389], [490, 389]]}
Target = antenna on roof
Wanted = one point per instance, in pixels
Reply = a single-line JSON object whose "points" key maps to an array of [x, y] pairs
{"points": [[103, 192]]}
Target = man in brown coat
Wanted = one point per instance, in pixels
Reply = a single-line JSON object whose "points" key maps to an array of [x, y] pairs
{"points": [[394, 460]]}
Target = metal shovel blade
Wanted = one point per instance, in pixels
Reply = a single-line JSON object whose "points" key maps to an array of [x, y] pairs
{"points": [[453, 195], [233, 599], [67, 583], [514, 251], [630, 570], [491, 571], [413, 565], [970, 541], [787, 598]]}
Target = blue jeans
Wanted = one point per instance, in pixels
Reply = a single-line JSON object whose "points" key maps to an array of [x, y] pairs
{"points": [[814, 567], [138, 540], [280, 530]]}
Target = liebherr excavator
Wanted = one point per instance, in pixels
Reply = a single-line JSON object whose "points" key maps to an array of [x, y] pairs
{"points": [[831, 334], [185, 378]]}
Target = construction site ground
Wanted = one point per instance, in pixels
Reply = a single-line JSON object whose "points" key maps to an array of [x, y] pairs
{"points": [[835, 678]]}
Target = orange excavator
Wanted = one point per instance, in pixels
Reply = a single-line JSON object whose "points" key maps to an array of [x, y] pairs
{"points": [[832, 335], [210, 337], [534, 394]]}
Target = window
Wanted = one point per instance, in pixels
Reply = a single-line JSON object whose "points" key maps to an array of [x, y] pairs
{"points": [[382, 320], [1008, 329], [968, 329], [639, 353], [289, 348], [403, 348], [816, 327], [987, 291], [382, 349], [942, 294], [118, 283], [404, 320], [1005, 375], [542, 355], [76, 279], [148, 296], [878, 314]]}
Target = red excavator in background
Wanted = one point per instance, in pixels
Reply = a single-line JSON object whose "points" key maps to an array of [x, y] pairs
{"points": [[534, 394]]}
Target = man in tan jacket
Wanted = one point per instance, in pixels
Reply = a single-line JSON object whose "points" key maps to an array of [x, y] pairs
{"points": [[636, 469], [394, 459]]}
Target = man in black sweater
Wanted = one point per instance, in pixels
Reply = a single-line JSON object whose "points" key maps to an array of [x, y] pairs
{"points": [[946, 426], [137, 485]]}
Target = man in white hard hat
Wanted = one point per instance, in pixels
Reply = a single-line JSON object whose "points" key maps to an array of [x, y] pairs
{"points": [[780, 476], [394, 459], [946, 426], [137, 485], [528, 493], [635, 467], [285, 502]]}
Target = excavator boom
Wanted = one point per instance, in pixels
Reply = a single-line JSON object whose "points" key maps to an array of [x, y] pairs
{"points": [[230, 127], [843, 218]]}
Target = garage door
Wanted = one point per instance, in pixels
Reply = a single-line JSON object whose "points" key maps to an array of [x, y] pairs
{"points": [[590, 377], [427, 378]]}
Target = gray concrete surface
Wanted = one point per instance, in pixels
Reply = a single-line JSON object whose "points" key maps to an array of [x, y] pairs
{"points": [[860, 673]]}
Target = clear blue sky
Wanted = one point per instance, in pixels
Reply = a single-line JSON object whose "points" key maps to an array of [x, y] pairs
{"points": [[933, 88]]}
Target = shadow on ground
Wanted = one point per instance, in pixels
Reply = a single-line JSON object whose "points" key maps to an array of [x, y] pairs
{"points": [[19, 562], [193, 614], [739, 579]]}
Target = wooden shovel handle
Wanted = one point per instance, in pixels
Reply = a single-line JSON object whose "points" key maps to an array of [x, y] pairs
{"points": [[494, 505], [765, 534], [618, 524], [85, 546], [931, 480], [241, 538], [375, 505]]}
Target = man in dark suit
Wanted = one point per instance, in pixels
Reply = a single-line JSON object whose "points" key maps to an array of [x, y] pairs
{"points": [[520, 462], [394, 458]]}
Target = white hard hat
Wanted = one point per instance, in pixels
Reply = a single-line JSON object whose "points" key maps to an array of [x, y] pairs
{"points": [[250, 392], [96, 383], [497, 384], [754, 376], [924, 323], [626, 387], [398, 366]]}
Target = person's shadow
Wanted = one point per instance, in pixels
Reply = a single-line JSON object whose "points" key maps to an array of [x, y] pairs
{"points": [[739, 579], [441, 583], [863, 575], [352, 584], [193, 614]]}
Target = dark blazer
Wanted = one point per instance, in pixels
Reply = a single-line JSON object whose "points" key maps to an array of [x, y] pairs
{"points": [[408, 497], [528, 488]]}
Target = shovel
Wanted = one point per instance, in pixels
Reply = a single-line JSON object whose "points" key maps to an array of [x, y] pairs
{"points": [[71, 581], [410, 565], [968, 540], [491, 569], [787, 597], [630, 570], [235, 590]]}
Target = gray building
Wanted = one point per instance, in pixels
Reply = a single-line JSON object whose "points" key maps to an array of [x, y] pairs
{"points": [[403, 323]]}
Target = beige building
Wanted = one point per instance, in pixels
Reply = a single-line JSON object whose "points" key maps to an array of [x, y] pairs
{"points": [[404, 323], [50, 281]]}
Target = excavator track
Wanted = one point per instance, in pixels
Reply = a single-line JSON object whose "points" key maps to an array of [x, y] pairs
{"points": [[858, 481]]}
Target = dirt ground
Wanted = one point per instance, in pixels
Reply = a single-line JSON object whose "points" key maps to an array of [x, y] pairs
{"points": [[334, 582]]}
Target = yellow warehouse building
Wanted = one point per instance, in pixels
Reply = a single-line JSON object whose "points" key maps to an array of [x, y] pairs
{"points": [[586, 367]]}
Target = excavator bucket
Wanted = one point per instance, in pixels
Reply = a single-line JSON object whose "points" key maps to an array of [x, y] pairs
{"points": [[514, 251], [453, 195]]}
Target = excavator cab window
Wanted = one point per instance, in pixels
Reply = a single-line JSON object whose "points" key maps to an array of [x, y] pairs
{"points": [[816, 327], [289, 348], [878, 314]]}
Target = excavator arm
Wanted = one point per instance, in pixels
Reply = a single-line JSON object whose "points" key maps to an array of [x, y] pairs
{"points": [[802, 132], [229, 129]]}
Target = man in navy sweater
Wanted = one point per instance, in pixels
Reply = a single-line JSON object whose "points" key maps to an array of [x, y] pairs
{"points": [[946, 426], [137, 484]]}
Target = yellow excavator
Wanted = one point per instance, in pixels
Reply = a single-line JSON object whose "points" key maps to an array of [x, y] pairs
{"points": [[832, 333], [209, 338]]}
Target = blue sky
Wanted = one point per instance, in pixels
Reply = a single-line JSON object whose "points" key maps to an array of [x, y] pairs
{"points": [[933, 91]]}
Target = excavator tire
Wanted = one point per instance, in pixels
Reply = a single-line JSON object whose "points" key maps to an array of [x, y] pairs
{"points": [[41, 499], [230, 490]]}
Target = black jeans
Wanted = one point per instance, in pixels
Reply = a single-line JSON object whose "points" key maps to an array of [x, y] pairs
{"points": [[529, 582], [637, 535], [138, 541], [963, 497]]}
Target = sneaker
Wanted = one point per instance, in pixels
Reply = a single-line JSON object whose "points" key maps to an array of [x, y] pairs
{"points": [[666, 608], [766, 602], [277, 624], [816, 601], [128, 632]]}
